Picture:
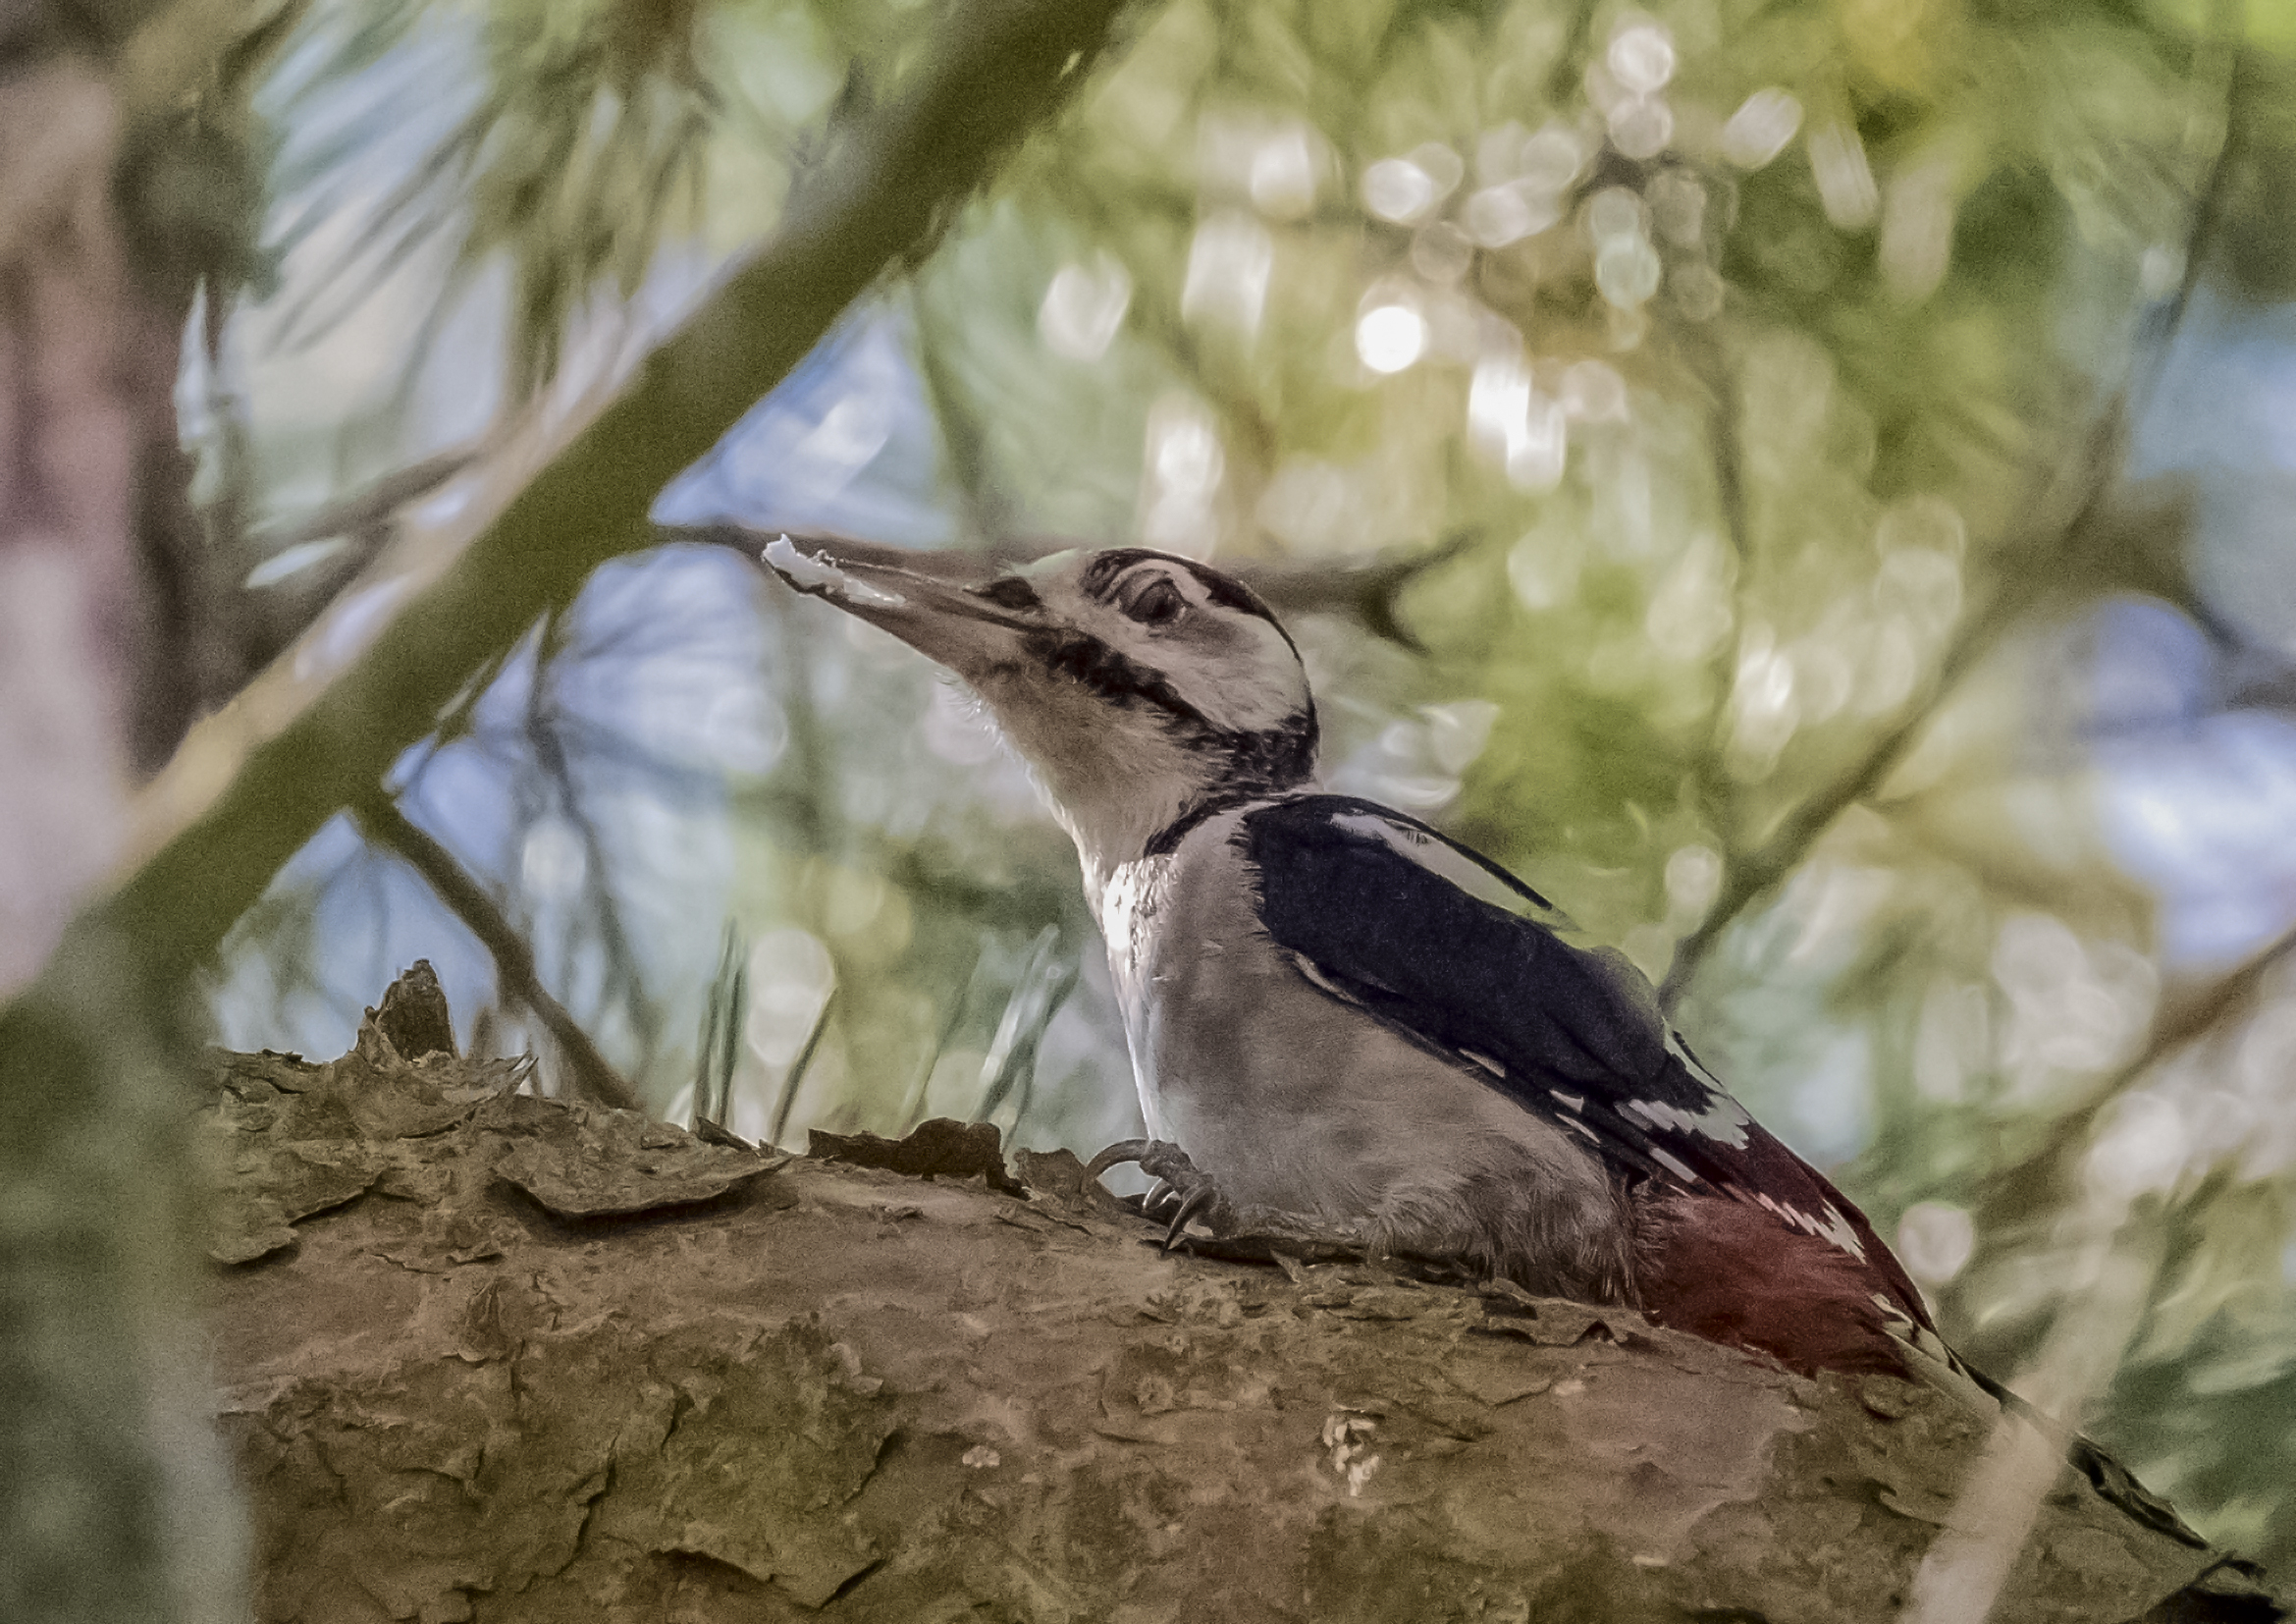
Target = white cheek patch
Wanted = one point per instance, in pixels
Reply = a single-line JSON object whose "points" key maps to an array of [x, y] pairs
{"points": [[1237, 672], [1260, 686]]}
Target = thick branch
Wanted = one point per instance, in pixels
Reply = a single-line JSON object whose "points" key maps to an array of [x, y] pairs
{"points": [[717, 1385], [391, 829]]}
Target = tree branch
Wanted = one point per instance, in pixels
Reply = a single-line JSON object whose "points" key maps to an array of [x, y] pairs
{"points": [[391, 829], [996, 68], [780, 1385], [2023, 575]]}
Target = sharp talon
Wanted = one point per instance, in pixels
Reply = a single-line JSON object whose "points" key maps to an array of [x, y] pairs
{"points": [[1124, 1150], [1195, 1205]]}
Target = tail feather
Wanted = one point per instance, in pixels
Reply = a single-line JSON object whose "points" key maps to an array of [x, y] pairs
{"points": [[2115, 1483], [2228, 1592]]}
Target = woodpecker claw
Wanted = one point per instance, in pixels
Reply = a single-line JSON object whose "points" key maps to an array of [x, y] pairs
{"points": [[1200, 1201], [1182, 1189], [1123, 1151]]}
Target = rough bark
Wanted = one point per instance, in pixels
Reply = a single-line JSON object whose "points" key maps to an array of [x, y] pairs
{"points": [[491, 1357]]}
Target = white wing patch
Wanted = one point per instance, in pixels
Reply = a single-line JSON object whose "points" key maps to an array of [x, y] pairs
{"points": [[1446, 862], [1724, 1120], [1672, 1165], [1832, 1227]]}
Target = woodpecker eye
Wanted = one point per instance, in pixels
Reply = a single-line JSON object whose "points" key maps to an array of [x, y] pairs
{"points": [[1159, 601]]}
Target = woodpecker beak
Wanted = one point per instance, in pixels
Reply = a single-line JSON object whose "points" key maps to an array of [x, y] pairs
{"points": [[939, 614]]}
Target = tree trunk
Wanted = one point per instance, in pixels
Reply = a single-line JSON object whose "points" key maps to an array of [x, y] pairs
{"points": [[114, 1503], [491, 1357]]}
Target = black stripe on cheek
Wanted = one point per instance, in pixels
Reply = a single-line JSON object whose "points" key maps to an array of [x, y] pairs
{"points": [[1111, 673]]}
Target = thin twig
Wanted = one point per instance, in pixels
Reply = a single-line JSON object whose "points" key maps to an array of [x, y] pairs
{"points": [[367, 507], [988, 510], [722, 1024], [913, 1109], [388, 827], [798, 1068], [549, 750], [1753, 875], [1726, 452]]}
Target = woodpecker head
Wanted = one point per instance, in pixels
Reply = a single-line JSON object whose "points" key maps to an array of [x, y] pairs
{"points": [[1141, 686]]}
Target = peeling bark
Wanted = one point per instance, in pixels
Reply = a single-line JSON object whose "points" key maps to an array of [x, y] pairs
{"points": [[768, 1388]]}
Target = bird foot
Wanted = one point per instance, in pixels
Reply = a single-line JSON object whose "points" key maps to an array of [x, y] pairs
{"points": [[1184, 1194], [1183, 1191]]}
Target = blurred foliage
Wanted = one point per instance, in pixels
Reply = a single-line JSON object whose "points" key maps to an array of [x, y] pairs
{"points": [[1782, 363]]}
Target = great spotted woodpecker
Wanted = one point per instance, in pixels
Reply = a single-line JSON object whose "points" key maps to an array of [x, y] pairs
{"points": [[1341, 1019]]}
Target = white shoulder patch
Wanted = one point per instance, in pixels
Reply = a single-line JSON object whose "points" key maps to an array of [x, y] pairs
{"points": [[1724, 1121], [1448, 863]]}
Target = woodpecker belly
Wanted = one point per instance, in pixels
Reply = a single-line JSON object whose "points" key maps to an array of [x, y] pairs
{"points": [[1294, 1099]]}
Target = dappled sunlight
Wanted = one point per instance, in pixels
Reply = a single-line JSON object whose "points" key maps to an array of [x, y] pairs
{"points": [[2073, 1007]]}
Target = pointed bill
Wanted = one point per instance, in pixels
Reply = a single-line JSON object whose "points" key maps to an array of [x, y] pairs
{"points": [[945, 619]]}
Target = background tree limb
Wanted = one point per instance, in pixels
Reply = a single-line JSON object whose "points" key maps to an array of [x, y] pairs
{"points": [[885, 187], [2028, 566]]}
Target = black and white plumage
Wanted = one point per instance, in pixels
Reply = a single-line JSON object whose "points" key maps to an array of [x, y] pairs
{"points": [[1341, 1017]]}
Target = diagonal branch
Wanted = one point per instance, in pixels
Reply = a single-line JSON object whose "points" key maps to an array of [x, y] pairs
{"points": [[880, 195], [387, 827], [2023, 579], [2023, 576]]}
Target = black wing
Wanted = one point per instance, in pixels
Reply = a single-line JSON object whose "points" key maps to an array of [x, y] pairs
{"points": [[1452, 951]]}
